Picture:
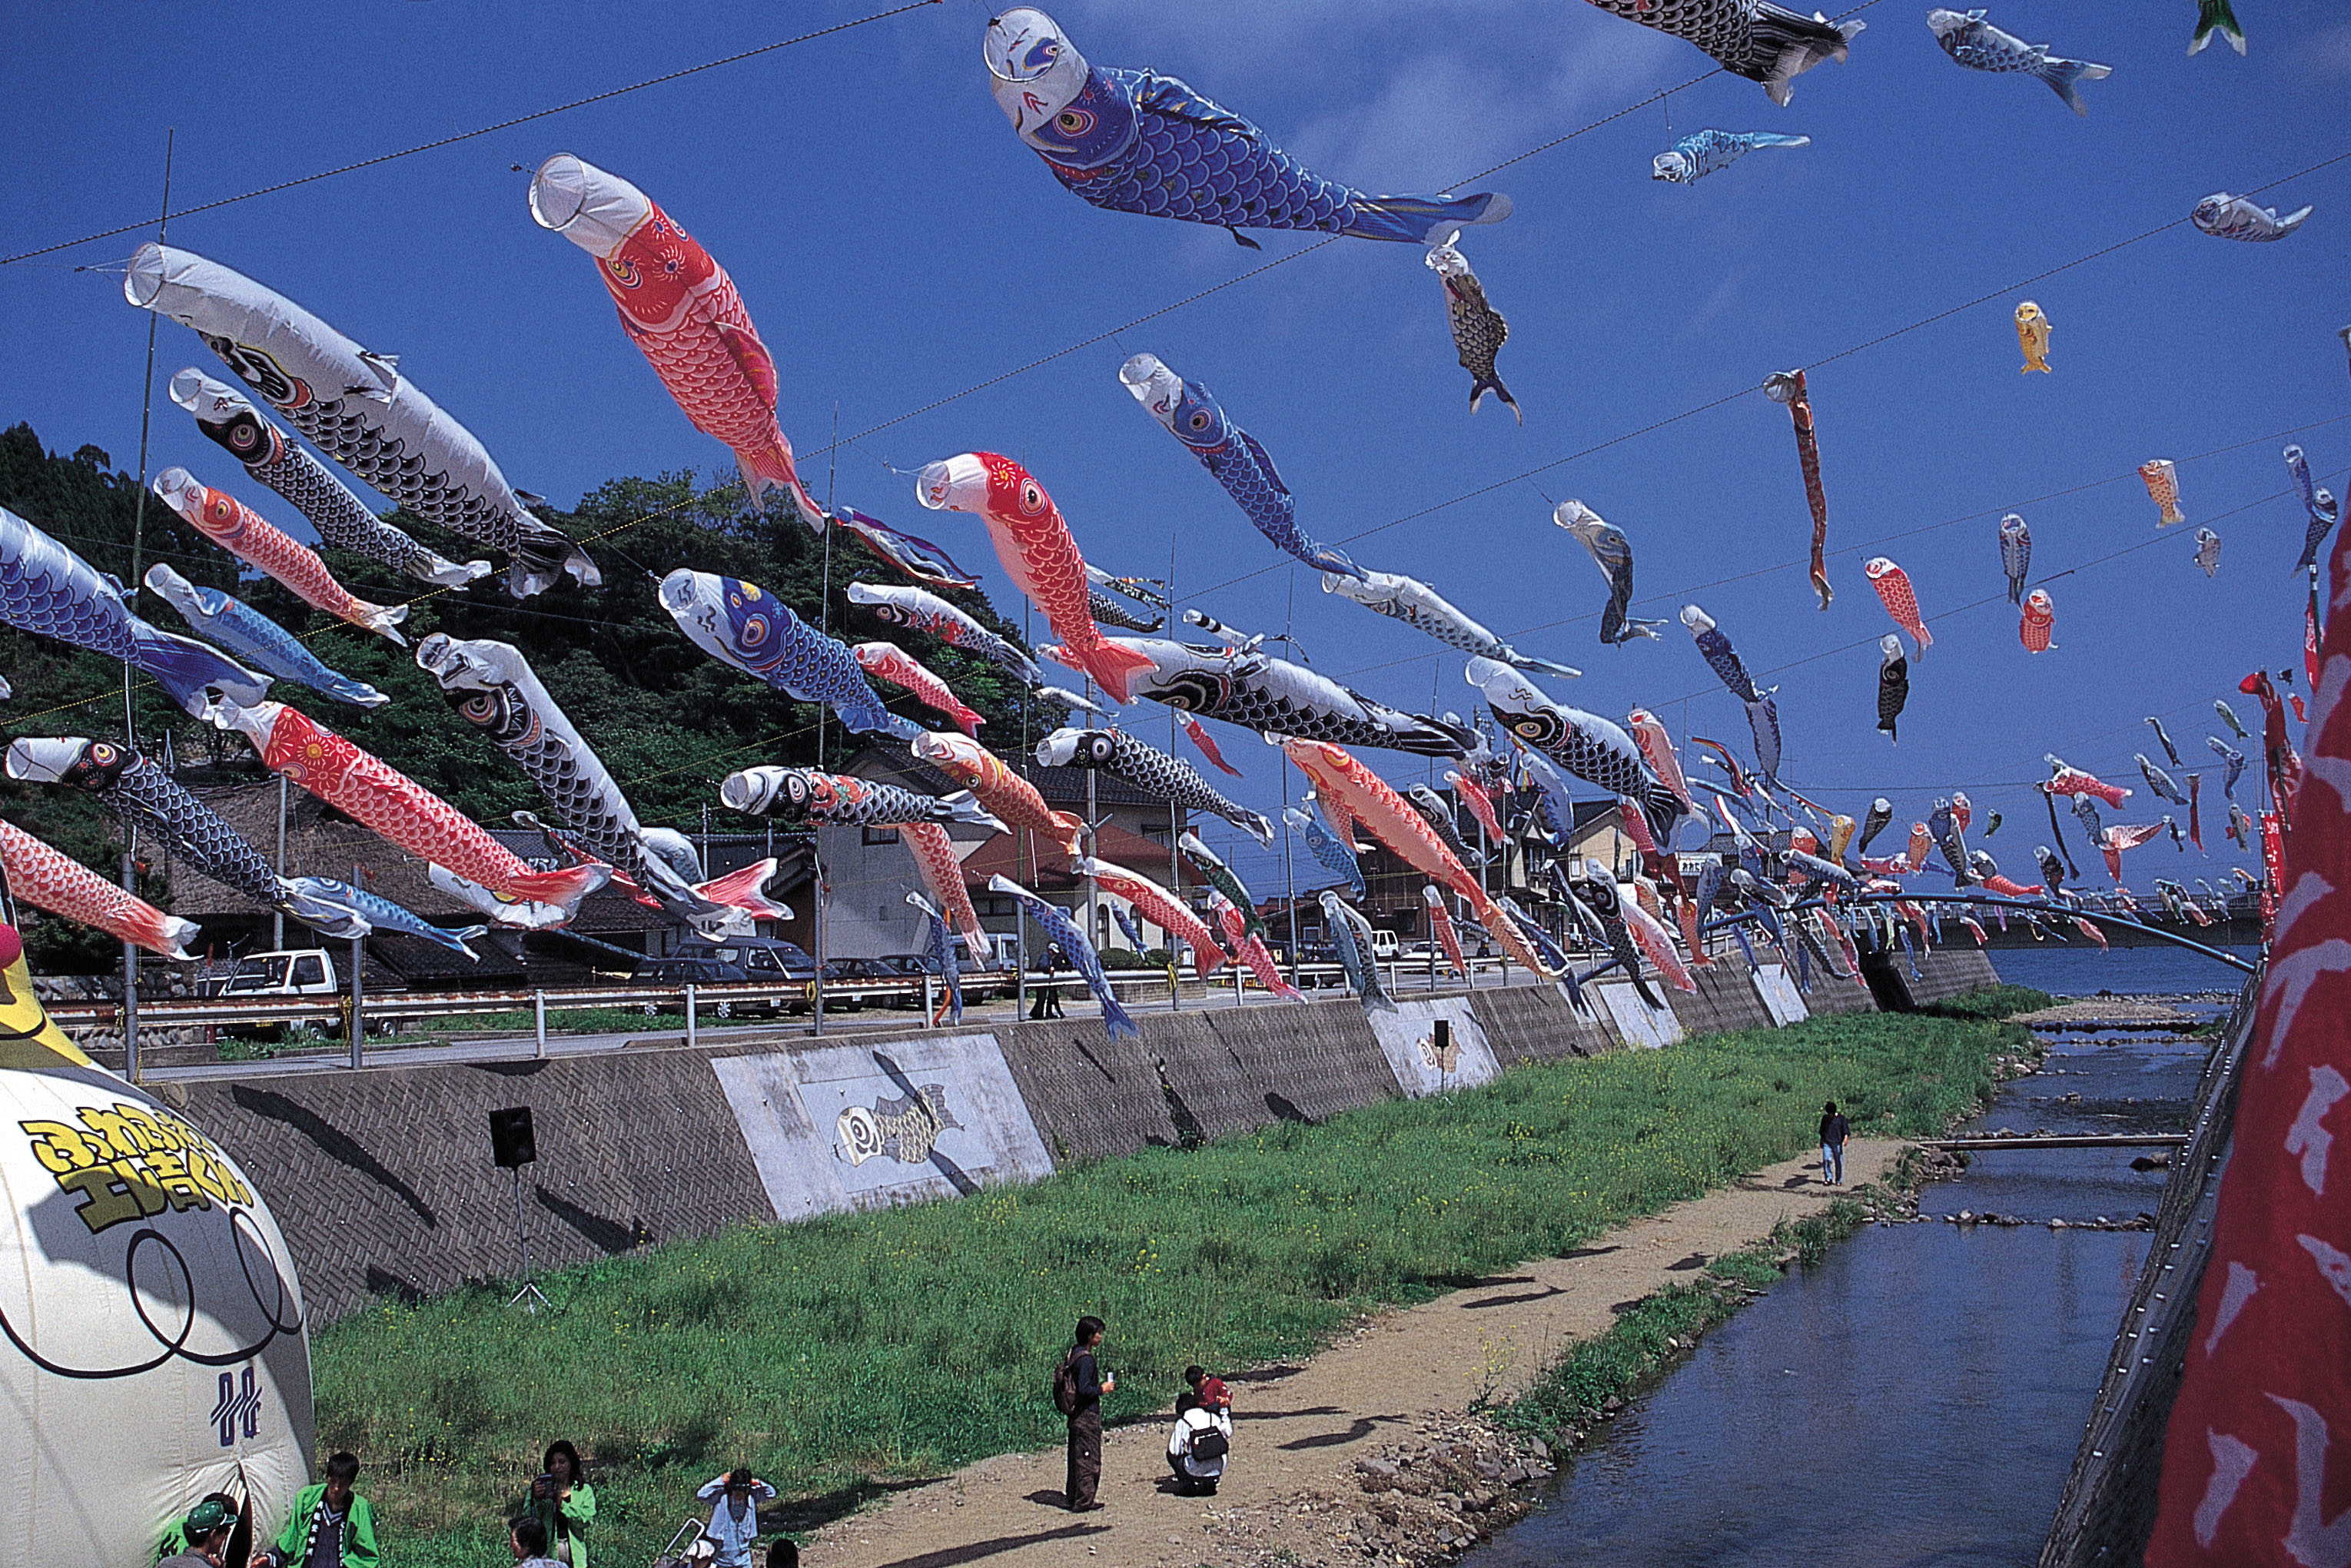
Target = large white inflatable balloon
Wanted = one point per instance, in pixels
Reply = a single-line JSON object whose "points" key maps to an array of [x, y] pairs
{"points": [[152, 1347]]}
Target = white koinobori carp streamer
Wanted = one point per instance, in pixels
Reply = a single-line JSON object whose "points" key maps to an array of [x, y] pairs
{"points": [[358, 408]]}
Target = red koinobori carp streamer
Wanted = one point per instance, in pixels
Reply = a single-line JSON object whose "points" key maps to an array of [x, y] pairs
{"points": [[1788, 387], [1350, 792], [49, 879], [679, 307], [396, 807], [2253, 1462], [270, 549], [1037, 553]]}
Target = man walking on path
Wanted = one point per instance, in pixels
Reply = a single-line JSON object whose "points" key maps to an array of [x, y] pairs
{"points": [[1834, 1131], [1078, 1388]]}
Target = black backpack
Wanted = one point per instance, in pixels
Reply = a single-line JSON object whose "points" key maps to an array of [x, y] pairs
{"points": [[1210, 1443], [1065, 1385]]}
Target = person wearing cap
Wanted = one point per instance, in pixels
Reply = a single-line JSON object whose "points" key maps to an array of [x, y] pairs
{"points": [[331, 1525], [207, 1529], [175, 1534], [1203, 1434]]}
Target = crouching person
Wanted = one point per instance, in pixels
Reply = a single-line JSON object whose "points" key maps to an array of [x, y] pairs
{"points": [[1203, 1435]]}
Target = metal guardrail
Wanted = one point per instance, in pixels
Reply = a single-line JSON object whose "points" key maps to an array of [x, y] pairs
{"points": [[712, 1001]]}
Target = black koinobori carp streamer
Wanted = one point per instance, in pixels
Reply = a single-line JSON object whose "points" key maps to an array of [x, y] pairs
{"points": [[1751, 38], [358, 408], [493, 687], [139, 792], [1149, 770]]}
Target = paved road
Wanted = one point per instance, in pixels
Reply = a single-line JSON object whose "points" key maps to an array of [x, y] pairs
{"points": [[669, 1030]]}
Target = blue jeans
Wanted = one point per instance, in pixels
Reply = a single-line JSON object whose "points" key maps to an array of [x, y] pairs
{"points": [[1833, 1162]]}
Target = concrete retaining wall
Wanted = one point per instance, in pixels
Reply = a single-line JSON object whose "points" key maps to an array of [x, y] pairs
{"points": [[384, 1182], [1945, 973]]}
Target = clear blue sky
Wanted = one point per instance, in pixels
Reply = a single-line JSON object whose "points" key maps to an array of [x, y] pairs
{"points": [[895, 243]]}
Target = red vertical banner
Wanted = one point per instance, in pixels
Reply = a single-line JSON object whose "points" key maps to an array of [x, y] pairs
{"points": [[2272, 871], [2257, 1458]]}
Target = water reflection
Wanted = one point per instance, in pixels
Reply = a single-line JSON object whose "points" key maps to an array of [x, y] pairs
{"points": [[1915, 1400]]}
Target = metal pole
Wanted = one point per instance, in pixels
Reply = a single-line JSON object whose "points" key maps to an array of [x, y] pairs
{"points": [[130, 966], [1238, 999], [692, 1036], [1094, 893], [538, 1020], [930, 1007], [358, 995], [816, 859], [1289, 876], [277, 918]]}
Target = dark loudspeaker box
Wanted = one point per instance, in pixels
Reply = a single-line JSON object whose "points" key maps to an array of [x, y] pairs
{"points": [[511, 1143], [1444, 1035]]}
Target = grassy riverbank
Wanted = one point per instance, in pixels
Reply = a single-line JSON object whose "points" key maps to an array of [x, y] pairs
{"points": [[859, 1348]]}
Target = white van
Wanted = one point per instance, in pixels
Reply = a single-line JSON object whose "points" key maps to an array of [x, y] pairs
{"points": [[296, 972], [1385, 945]]}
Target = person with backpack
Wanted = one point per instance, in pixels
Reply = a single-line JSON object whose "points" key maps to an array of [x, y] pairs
{"points": [[1078, 1388], [1203, 1435]]}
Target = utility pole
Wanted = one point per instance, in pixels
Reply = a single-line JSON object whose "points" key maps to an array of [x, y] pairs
{"points": [[129, 721]]}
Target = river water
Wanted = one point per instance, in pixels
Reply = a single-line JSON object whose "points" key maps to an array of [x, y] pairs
{"points": [[1913, 1401]]}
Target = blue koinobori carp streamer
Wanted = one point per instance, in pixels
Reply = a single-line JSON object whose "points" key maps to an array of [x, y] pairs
{"points": [[140, 793], [1064, 933], [1976, 44], [1417, 605], [1763, 712], [2015, 555], [1231, 455], [1750, 38], [1702, 153], [255, 638], [47, 589], [742, 624], [1326, 849], [2224, 216], [912, 554], [1611, 552], [1136, 141], [2319, 507], [1351, 938]]}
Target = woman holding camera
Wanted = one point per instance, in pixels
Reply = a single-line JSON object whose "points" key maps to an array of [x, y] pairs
{"points": [[561, 1500]]}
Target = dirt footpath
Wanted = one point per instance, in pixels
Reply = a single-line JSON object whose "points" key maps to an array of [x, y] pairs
{"points": [[1298, 1430]]}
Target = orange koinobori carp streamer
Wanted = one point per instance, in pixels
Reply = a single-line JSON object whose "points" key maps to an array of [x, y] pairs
{"points": [[270, 551], [1788, 387], [888, 662], [1001, 791], [1037, 553], [395, 806], [682, 310], [1350, 792], [1159, 906], [49, 879], [1901, 601], [1440, 920]]}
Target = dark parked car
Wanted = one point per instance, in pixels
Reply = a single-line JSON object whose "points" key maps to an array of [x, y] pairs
{"points": [[741, 960]]}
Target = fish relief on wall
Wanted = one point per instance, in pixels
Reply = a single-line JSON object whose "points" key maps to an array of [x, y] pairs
{"points": [[905, 1129]]}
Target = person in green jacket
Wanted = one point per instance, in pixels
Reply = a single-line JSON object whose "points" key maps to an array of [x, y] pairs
{"points": [[331, 1525], [563, 1501]]}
